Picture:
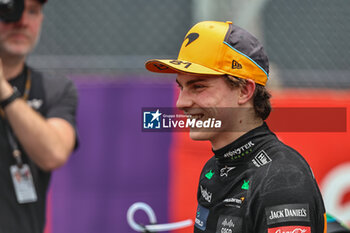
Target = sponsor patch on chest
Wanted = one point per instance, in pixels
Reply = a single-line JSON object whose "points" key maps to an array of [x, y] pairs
{"points": [[229, 224], [287, 213], [225, 170], [261, 159], [234, 202], [290, 229], [206, 194], [201, 217]]}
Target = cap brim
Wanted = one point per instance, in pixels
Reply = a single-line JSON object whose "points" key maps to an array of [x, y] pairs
{"points": [[178, 66]]}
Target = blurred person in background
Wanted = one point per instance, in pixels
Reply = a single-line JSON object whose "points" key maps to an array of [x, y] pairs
{"points": [[253, 182], [37, 125], [335, 225]]}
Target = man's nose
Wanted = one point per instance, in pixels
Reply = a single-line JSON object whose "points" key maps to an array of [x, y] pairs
{"points": [[23, 21], [184, 100]]}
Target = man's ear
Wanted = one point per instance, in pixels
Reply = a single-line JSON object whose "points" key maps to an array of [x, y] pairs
{"points": [[246, 92]]}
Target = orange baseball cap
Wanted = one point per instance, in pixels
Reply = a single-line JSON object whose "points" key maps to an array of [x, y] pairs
{"points": [[217, 48]]}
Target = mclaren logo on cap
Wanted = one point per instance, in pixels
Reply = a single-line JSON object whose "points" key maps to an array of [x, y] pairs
{"points": [[191, 37]]}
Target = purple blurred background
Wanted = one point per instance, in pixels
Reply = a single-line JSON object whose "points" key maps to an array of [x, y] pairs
{"points": [[116, 163]]}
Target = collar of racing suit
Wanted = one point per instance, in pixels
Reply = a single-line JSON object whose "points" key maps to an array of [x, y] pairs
{"points": [[241, 150]]}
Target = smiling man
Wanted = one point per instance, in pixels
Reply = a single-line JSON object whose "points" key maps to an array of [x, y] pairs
{"points": [[37, 125], [253, 182]]}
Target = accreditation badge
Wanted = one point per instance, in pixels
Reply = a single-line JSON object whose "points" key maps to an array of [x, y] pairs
{"points": [[23, 183]]}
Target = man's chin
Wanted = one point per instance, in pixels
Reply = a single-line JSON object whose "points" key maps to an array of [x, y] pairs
{"points": [[198, 135], [17, 50]]}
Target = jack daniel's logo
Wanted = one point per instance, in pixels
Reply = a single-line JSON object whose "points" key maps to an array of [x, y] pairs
{"points": [[287, 213]]}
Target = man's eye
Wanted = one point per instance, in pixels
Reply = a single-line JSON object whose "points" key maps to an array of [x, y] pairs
{"points": [[34, 11], [198, 86]]}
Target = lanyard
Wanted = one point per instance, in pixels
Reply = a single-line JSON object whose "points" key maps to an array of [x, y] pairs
{"points": [[16, 153]]}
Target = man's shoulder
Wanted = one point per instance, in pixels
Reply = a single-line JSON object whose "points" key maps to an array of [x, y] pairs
{"points": [[210, 162], [285, 154], [53, 84], [280, 159], [50, 78]]}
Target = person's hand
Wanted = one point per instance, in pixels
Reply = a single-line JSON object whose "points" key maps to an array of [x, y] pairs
{"points": [[5, 88], [1, 73], [2, 78]]}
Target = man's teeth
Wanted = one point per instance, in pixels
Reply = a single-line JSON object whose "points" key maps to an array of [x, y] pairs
{"points": [[197, 116]]}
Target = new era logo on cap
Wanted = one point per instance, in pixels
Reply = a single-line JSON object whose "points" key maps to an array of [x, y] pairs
{"points": [[236, 65]]}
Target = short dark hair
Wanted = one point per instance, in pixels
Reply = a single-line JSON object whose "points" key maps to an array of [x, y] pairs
{"points": [[261, 97]]}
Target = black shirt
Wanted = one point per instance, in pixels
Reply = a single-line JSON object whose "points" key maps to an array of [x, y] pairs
{"points": [[51, 97], [258, 184]]}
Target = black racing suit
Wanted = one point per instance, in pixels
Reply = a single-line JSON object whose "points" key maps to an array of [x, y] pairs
{"points": [[258, 184]]}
